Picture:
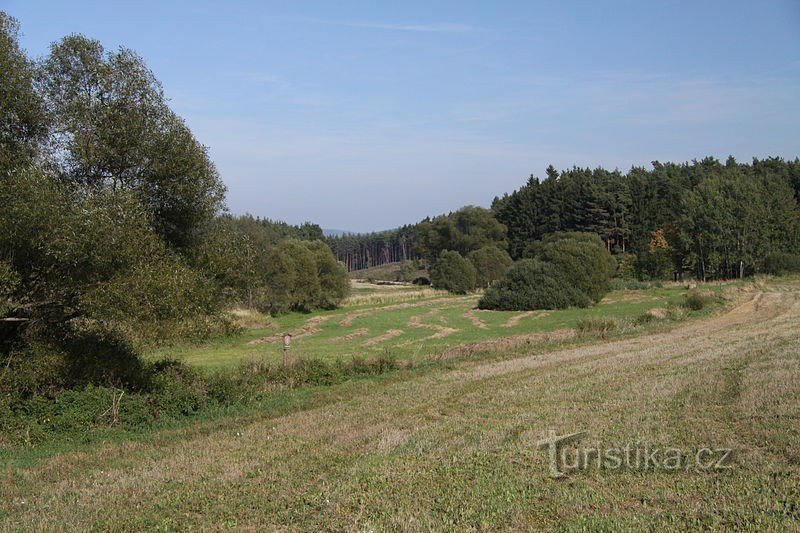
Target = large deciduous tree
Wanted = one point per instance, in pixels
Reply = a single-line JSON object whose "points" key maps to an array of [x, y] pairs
{"points": [[23, 122], [114, 130]]}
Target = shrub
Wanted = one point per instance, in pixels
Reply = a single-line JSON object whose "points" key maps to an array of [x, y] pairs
{"points": [[532, 284], [677, 312], [644, 318], [626, 266], [583, 259], [780, 263], [490, 263], [453, 273], [601, 326], [568, 269], [696, 300]]}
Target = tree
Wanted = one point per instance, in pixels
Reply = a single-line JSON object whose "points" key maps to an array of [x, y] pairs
{"points": [[88, 281], [334, 284], [114, 130], [23, 121], [490, 263], [453, 273], [732, 221], [463, 231]]}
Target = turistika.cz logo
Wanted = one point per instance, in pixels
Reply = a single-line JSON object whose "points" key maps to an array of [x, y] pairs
{"points": [[565, 458]]}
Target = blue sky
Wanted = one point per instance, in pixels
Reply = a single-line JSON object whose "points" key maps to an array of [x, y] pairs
{"points": [[368, 115]]}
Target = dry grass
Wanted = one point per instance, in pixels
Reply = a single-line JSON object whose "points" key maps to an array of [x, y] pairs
{"points": [[388, 294], [454, 448]]}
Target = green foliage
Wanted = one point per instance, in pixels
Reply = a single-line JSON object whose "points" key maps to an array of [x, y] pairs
{"points": [[362, 251], [490, 263], [627, 266], [302, 276], [569, 269], [256, 267], [533, 284], [695, 300], [9, 283], [779, 263], [470, 228], [23, 121], [715, 220], [731, 221], [655, 265], [407, 272], [91, 280], [584, 260], [115, 131], [453, 273], [333, 282], [170, 391]]}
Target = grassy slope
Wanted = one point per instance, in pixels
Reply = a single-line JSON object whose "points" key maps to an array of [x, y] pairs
{"points": [[442, 323], [454, 448]]}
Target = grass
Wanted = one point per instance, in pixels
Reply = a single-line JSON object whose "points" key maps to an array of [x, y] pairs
{"points": [[408, 323], [452, 446]]}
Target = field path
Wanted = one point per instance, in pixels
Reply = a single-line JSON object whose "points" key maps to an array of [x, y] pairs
{"points": [[454, 448]]}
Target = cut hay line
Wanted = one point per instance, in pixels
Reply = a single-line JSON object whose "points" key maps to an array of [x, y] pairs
{"points": [[309, 328], [514, 320], [392, 333], [360, 332], [477, 322], [440, 331], [353, 315]]}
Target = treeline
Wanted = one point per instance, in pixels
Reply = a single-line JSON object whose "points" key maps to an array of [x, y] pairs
{"points": [[359, 251], [113, 232], [705, 219]]}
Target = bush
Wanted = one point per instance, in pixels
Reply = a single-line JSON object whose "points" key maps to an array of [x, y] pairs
{"points": [[696, 301], [780, 263], [490, 263], [644, 318], [453, 273], [584, 260], [569, 269], [532, 284], [626, 266]]}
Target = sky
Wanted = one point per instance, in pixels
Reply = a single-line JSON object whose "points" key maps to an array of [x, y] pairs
{"points": [[364, 116]]}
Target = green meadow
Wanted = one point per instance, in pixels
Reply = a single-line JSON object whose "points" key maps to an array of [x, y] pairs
{"points": [[408, 322]]}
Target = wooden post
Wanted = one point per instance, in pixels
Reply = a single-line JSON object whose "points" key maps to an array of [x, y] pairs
{"points": [[287, 341]]}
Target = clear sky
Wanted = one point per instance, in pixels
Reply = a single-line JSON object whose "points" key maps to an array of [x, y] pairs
{"points": [[367, 115]]}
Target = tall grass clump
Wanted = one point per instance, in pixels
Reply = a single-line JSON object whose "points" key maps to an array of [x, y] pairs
{"points": [[696, 301], [597, 325]]}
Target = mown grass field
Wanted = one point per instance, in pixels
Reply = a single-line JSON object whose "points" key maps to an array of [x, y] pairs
{"points": [[408, 322], [453, 446]]}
